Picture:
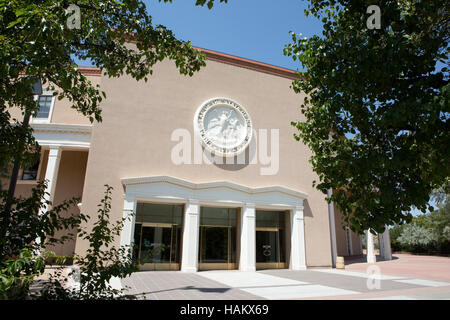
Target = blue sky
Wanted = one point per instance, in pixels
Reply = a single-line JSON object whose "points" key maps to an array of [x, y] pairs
{"points": [[253, 29]]}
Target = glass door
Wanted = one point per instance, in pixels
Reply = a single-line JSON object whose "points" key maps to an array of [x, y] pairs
{"points": [[157, 236], [217, 239], [270, 242]]}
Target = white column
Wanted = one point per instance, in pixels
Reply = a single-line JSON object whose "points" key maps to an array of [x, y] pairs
{"points": [[247, 260], [298, 256], [381, 244], [189, 260], [332, 231], [370, 248], [385, 243], [51, 174], [348, 234], [129, 213]]}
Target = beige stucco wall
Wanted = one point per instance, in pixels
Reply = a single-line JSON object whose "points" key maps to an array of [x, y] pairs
{"points": [[341, 237], [134, 139], [63, 113]]}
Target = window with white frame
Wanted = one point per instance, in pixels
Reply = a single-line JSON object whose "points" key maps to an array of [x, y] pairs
{"points": [[46, 103], [45, 106]]}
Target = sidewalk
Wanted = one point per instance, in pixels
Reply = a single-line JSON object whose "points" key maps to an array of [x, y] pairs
{"points": [[407, 265], [405, 277]]}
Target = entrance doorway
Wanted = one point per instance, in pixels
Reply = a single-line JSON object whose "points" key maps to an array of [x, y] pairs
{"points": [[217, 239], [270, 240], [157, 236]]}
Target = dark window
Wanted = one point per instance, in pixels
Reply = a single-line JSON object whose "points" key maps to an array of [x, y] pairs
{"points": [[31, 172]]}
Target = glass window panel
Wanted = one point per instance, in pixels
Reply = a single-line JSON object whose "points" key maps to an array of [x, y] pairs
{"points": [[269, 219], [158, 213], [31, 172], [44, 107], [156, 245], [214, 245], [218, 217]]}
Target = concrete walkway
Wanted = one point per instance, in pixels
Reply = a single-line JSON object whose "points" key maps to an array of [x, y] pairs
{"points": [[406, 277]]}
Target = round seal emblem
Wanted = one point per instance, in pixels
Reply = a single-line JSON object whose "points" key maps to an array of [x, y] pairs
{"points": [[224, 127]]}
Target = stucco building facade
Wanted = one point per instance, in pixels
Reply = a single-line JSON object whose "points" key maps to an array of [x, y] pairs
{"points": [[207, 163]]}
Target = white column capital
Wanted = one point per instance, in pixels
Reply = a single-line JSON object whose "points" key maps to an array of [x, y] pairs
{"points": [[193, 201], [192, 207], [129, 204], [298, 212], [54, 151]]}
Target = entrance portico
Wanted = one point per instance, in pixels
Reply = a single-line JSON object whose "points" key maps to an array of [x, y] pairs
{"points": [[194, 197]]}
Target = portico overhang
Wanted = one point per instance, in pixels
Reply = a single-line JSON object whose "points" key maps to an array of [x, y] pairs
{"points": [[174, 190], [62, 135]]}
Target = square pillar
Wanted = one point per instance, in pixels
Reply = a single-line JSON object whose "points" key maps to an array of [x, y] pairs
{"points": [[191, 225], [332, 230], [370, 248], [348, 234], [385, 244], [51, 174], [247, 260], [298, 256], [129, 213]]}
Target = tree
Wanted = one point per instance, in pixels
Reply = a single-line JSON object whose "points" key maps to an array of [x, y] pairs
{"points": [[99, 265], [22, 258], [378, 106], [417, 238], [41, 40]]}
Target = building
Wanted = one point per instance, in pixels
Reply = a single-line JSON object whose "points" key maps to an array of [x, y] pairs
{"points": [[208, 164]]}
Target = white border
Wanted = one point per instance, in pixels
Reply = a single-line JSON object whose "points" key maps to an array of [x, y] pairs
{"points": [[50, 112]]}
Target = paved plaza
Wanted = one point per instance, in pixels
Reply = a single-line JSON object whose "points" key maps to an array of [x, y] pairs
{"points": [[405, 277]]}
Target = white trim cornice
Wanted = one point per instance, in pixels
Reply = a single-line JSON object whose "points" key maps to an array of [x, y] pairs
{"points": [[166, 188], [61, 128], [65, 135], [211, 185]]}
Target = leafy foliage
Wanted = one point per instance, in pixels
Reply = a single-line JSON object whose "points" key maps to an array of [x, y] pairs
{"points": [[116, 36], [378, 106], [416, 235], [427, 233], [35, 40], [24, 235], [102, 261]]}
